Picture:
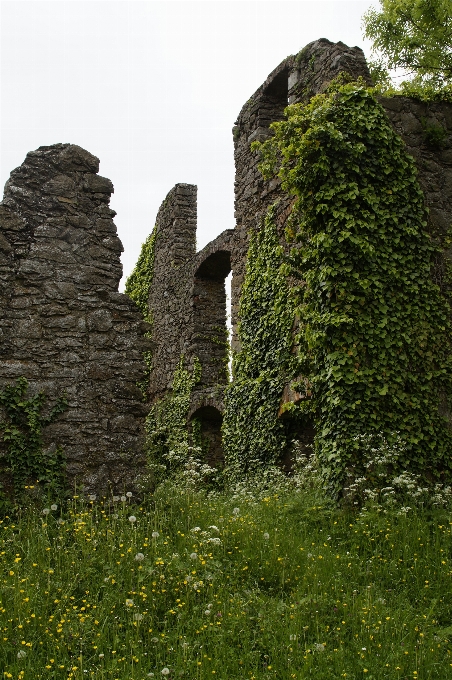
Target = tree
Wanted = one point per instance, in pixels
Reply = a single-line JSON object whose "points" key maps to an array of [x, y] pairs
{"points": [[414, 35]]}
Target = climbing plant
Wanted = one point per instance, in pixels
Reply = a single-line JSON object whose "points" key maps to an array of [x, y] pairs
{"points": [[375, 334], [22, 436], [253, 436], [137, 287], [172, 447]]}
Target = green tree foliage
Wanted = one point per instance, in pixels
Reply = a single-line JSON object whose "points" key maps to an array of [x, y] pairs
{"points": [[375, 333], [252, 433], [414, 35]]}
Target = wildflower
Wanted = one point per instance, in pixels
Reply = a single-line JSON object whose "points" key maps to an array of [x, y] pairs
{"points": [[123, 499], [212, 526], [319, 647], [292, 637], [196, 529], [215, 541], [207, 612], [138, 617], [92, 497], [60, 520], [165, 671], [155, 534], [54, 506], [132, 519], [266, 536], [101, 656], [193, 556], [115, 499], [139, 557], [129, 603], [46, 511], [129, 494], [150, 675], [188, 578], [21, 654], [115, 516], [236, 511], [154, 639]]}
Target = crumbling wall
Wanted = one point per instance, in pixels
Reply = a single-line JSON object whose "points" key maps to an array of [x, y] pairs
{"points": [[64, 326]]}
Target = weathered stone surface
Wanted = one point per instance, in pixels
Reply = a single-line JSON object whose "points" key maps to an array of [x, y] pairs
{"points": [[63, 325]]}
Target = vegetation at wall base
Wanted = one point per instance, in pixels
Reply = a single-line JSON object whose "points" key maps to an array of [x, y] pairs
{"points": [[25, 459], [375, 333], [277, 584], [253, 435]]}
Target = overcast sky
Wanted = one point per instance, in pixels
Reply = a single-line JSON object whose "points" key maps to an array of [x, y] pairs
{"points": [[151, 88]]}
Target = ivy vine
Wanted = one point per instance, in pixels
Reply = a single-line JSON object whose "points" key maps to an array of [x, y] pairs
{"points": [[375, 333], [137, 287], [22, 437], [169, 441], [253, 435]]}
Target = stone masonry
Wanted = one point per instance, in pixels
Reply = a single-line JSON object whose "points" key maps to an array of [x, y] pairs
{"points": [[67, 329], [64, 326], [188, 301]]}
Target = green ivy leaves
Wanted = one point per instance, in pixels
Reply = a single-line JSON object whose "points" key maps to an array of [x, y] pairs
{"points": [[375, 333], [22, 434], [253, 435]]}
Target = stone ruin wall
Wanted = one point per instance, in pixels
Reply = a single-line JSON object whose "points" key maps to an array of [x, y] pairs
{"points": [[200, 303], [64, 325], [67, 329]]}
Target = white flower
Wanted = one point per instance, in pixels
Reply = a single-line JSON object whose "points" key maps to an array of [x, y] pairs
{"points": [[46, 511], [129, 494], [165, 671], [196, 529], [115, 499], [54, 506], [155, 534], [319, 647], [139, 557], [154, 640], [212, 526], [236, 511], [266, 536], [132, 519], [21, 654], [207, 612], [188, 578], [92, 497], [150, 675], [138, 617], [129, 603], [115, 516], [215, 541], [193, 556], [123, 499], [101, 656], [106, 579], [292, 637], [60, 520], [209, 606]]}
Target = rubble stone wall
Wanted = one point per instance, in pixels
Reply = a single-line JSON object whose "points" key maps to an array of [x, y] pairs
{"points": [[64, 326]]}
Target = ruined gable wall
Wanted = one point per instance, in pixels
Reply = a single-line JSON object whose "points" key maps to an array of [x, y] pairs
{"points": [[64, 325]]}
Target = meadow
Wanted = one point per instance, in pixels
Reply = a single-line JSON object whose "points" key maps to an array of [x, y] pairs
{"points": [[225, 585]]}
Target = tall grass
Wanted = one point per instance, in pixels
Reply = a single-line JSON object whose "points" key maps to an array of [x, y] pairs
{"points": [[226, 586]]}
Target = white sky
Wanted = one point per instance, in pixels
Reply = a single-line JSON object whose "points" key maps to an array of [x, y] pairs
{"points": [[151, 88]]}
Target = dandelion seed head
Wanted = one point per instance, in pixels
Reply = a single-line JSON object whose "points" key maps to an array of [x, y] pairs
{"points": [[139, 557], [266, 536], [21, 654], [123, 499], [115, 499], [155, 534], [92, 497], [54, 506], [129, 494], [165, 671], [46, 511], [129, 603], [132, 519], [236, 511], [193, 556]]}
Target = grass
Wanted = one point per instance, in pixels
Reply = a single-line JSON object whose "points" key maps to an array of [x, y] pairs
{"points": [[225, 587]]}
